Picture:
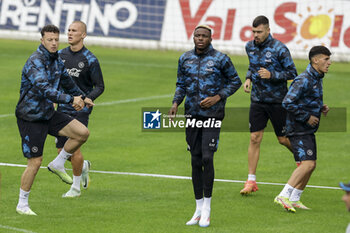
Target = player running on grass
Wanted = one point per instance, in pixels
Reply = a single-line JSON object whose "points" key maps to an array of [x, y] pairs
{"points": [[270, 66], [304, 104], [36, 117], [85, 69]]}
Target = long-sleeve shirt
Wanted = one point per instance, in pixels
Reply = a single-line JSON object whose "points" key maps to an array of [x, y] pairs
{"points": [[205, 75], [41, 76], [304, 98], [85, 70], [274, 56]]}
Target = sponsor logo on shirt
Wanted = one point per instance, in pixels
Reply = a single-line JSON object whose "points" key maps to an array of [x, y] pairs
{"points": [[74, 72]]}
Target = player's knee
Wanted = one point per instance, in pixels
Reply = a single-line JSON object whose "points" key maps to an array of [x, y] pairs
{"points": [[255, 138], [84, 135], [196, 161], [310, 165], [313, 166], [35, 163], [207, 159]]}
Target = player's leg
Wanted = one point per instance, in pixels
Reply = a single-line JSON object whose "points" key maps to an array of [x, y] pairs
{"points": [[309, 165], [254, 150], [257, 122], [283, 140], [210, 142], [58, 122], [77, 134], [278, 117], [197, 182], [80, 167], [27, 181], [33, 136], [305, 148], [193, 139]]}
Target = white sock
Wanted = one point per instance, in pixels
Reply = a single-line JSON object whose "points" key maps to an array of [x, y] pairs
{"points": [[23, 198], [252, 177], [286, 191], [296, 194], [76, 182], [206, 203], [61, 158], [199, 204]]}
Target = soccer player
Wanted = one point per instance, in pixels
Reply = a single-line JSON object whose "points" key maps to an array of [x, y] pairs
{"points": [[85, 69], [36, 117], [270, 66], [346, 199], [304, 105], [206, 77]]}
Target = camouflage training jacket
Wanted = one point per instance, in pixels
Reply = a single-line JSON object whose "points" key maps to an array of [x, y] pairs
{"points": [[274, 56], [304, 98], [41, 76], [204, 75]]}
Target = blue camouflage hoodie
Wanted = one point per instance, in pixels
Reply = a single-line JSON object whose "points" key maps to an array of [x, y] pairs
{"points": [[304, 98], [274, 56], [41, 76], [204, 75]]}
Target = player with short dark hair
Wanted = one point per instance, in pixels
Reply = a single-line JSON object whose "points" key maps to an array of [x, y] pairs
{"points": [[270, 66], [304, 104], [36, 117], [85, 70], [206, 77]]}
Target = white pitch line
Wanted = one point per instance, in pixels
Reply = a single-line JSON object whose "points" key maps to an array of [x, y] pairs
{"points": [[173, 177], [15, 229], [134, 100], [6, 115], [115, 102]]}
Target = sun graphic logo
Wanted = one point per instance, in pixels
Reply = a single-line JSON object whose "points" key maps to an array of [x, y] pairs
{"points": [[316, 27]]}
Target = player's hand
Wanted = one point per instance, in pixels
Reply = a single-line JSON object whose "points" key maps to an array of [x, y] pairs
{"points": [[247, 85], [88, 102], [172, 111], [325, 109], [264, 73], [78, 103], [210, 101], [313, 121]]}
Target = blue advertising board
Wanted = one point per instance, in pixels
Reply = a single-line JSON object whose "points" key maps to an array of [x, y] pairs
{"points": [[136, 19]]}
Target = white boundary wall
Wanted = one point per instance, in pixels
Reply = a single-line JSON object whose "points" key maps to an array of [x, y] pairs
{"points": [[168, 24]]}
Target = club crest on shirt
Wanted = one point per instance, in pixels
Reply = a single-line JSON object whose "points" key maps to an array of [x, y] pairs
{"points": [[210, 65], [81, 65]]}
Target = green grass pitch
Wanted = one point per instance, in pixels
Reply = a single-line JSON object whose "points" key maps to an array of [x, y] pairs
{"points": [[124, 203]]}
